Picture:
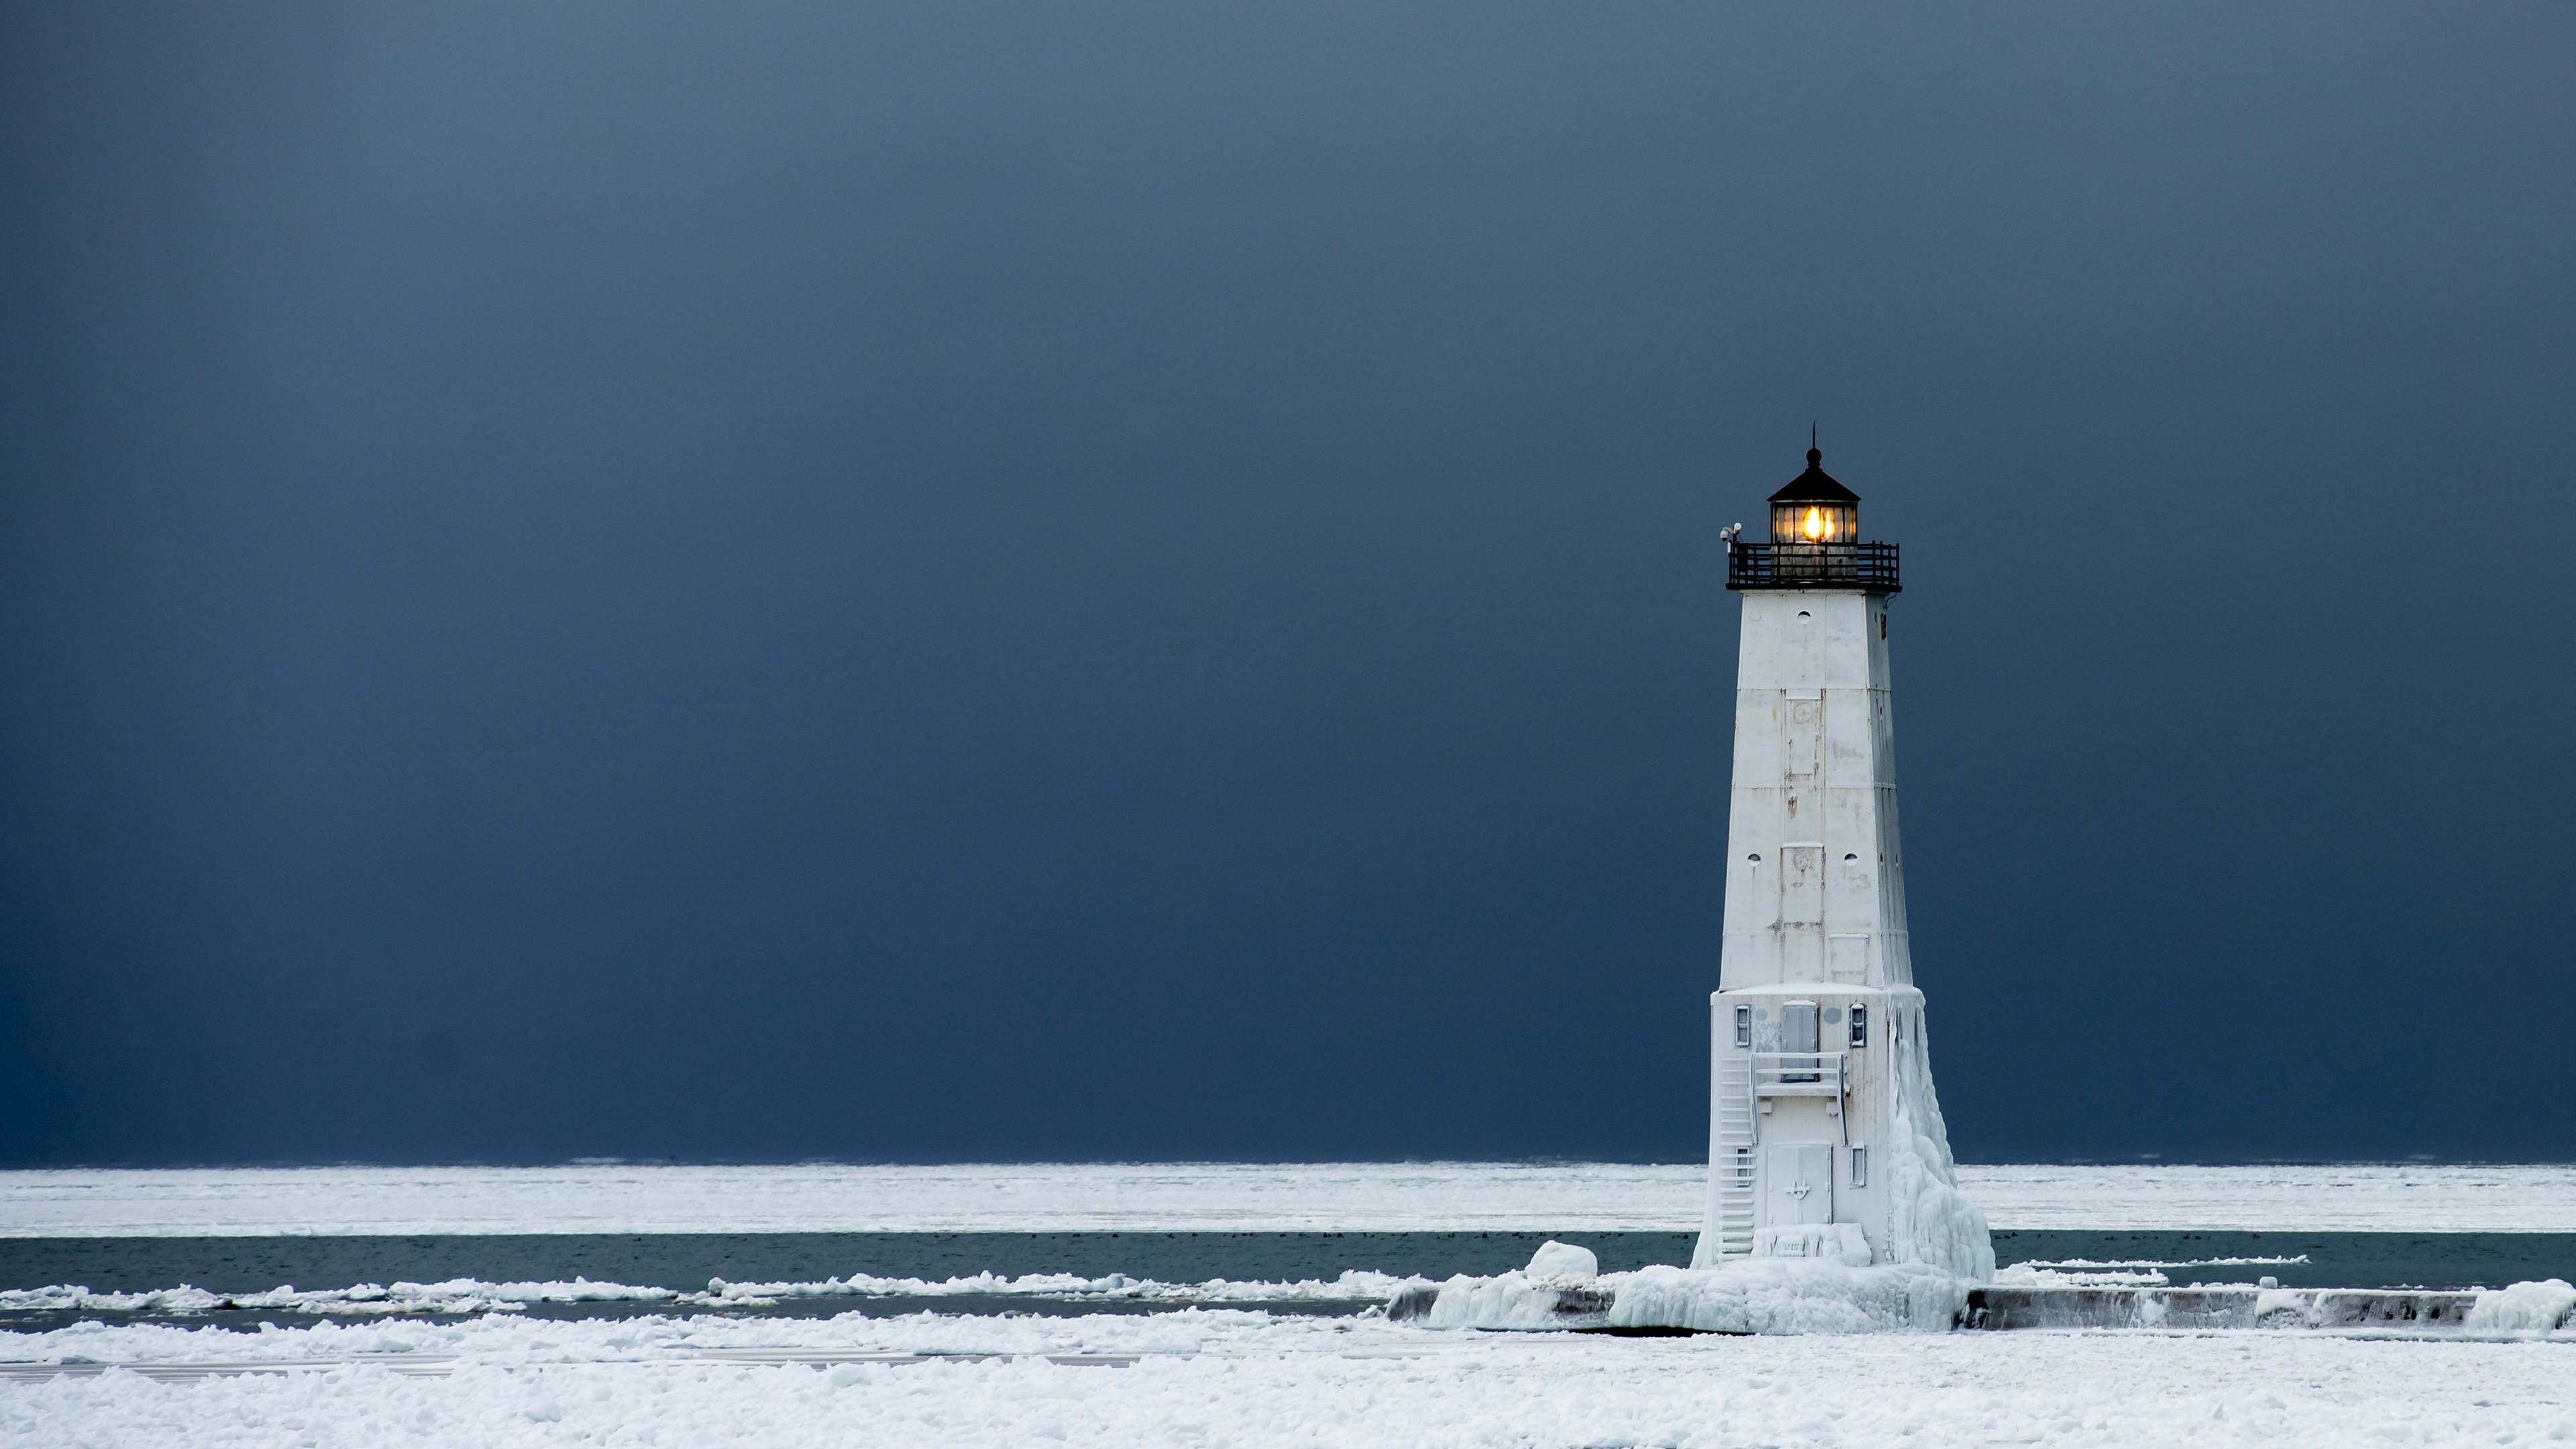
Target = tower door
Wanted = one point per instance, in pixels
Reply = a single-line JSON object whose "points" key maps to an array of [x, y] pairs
{"points": [[1799, 1179], [1806, 724], [1798, 1029], [1798, 1033]]}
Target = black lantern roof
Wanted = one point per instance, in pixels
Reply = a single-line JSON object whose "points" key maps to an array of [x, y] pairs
{"points": [[1815, 485]]}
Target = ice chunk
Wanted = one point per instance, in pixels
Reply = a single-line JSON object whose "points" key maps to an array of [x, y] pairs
{"points": [[2523, 1308], [1562, 1260], [2285, 1308], [1516, 1300], [1561, 1288]]}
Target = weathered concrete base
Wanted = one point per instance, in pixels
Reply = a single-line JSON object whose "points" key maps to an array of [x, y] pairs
{"points": [[2005, 1308]]}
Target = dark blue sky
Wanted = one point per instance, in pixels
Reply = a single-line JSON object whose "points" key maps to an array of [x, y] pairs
{"points": [[943, 581]]}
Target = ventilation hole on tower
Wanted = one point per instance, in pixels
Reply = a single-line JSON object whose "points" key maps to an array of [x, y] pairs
{"points": [[1851, 857], [1752, 857], [1803, 614]]}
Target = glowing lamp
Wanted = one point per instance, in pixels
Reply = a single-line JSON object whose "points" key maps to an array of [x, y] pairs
{"points": [[1814, 510]]}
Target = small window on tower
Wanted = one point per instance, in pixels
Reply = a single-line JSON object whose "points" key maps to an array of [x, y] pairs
{"points": [[1860, 1026], [1860, 1167], [1744, 1026], [1882, 626]]}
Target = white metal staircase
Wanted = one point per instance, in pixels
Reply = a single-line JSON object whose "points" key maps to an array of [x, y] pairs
{"points": [[1734, 1165]]}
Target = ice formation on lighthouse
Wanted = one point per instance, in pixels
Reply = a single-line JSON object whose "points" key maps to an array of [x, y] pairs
{"points": [[1930, 1220]]}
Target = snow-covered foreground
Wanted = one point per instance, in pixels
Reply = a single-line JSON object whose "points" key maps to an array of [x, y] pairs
{"points": [[1182, 1197], [1218, 1378]]}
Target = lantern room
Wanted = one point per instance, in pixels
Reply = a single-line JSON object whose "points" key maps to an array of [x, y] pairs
{"points": [[1815, 509], [1815, 541]]}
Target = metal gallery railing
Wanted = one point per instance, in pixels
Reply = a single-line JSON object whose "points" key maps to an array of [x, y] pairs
{"points": [[1868, 567]]}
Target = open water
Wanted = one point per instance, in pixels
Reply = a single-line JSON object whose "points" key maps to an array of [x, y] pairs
{"points": [[1300, 1273]]}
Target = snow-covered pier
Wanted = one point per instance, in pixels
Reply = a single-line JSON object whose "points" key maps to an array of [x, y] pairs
{"points": [[2525, 1308]]}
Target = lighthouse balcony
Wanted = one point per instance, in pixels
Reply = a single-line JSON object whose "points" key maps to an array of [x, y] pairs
{"points": [[1867, 567], [1800, 1074]]}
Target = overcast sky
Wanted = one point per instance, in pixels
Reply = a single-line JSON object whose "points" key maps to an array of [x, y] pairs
{"points": [[931, 582]]}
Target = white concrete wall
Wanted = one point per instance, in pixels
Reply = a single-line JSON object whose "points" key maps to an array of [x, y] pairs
{"points": [[1895, 1028], [1815, 884], [1815, 881]]}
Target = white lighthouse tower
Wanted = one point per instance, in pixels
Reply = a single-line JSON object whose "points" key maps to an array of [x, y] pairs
{"points": [[1825, 1139]]}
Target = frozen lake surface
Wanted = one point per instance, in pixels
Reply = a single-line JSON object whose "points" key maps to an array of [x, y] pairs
{"points": [[1328, 1197], [1215, 1378], [1101, 1352]]}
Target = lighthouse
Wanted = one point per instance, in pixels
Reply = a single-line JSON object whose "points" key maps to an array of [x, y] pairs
{"points": [[1825, 1139]]}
